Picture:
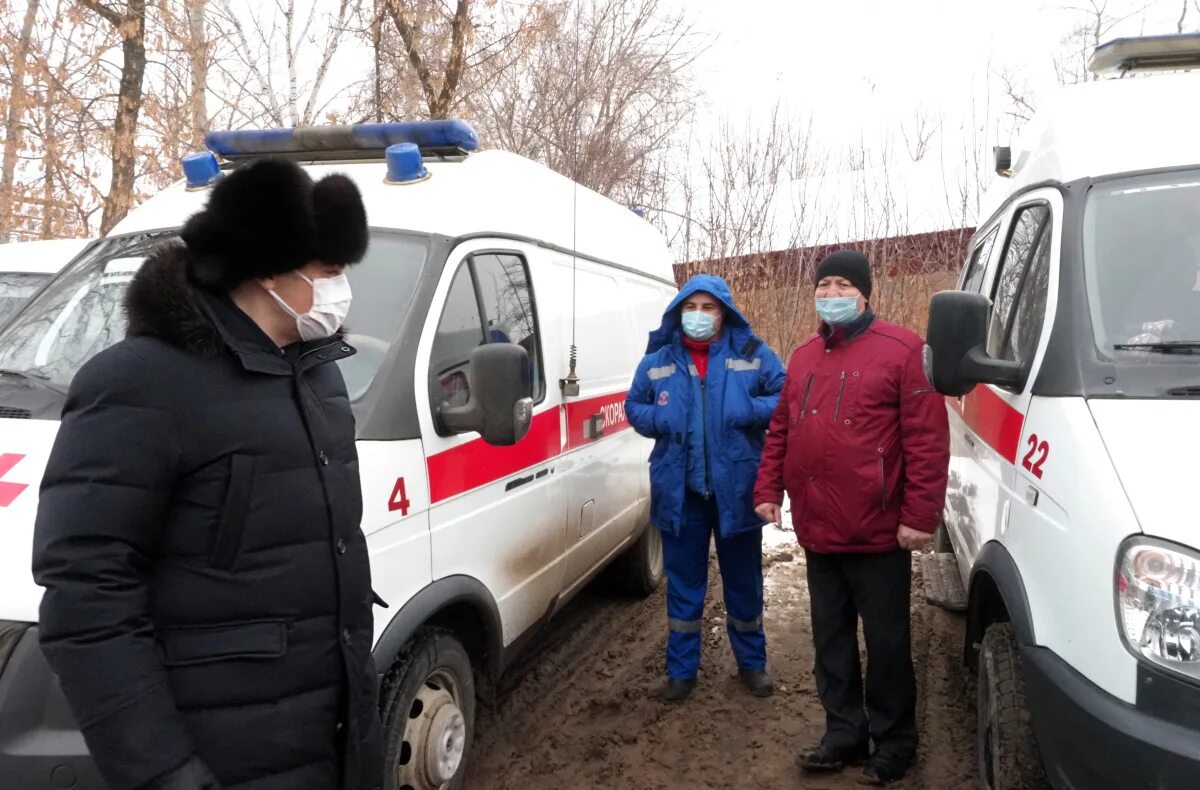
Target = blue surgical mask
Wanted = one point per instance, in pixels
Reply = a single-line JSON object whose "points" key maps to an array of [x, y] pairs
{"points": [[698, 325], [837, 310]]}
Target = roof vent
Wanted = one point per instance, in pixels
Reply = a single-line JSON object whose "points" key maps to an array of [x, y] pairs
{"points": [[1148, 53]]}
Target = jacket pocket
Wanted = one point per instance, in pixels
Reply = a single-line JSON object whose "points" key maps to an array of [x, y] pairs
{"points": [[228, 542], [203, 644]]}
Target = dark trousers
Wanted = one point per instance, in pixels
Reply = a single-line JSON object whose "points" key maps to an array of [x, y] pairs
{"points": [[875, 587]]}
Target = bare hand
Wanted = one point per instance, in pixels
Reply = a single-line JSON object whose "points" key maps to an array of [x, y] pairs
{"points": [[912, 539], [772, 514]]}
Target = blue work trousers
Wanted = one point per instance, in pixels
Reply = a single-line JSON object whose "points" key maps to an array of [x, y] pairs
{"points": [[686, 558]]}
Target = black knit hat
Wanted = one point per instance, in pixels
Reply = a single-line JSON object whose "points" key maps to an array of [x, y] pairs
{"points": [[269, 218], [850, 264]]}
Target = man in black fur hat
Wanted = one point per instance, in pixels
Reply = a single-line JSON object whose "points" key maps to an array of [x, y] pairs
{"points": [[208, 594]]}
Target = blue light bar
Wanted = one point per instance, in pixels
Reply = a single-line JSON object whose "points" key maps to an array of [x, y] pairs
{"points": [[404, 165], [200, 169], [426, 135]]}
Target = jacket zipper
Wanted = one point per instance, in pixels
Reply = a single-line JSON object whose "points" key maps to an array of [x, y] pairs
{"points": [[841, 388], [704, 419], [804, 400], [882, 482]]}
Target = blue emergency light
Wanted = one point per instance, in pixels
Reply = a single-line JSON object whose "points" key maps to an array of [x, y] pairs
{"points": [[404, 164], [443, 136], [200, 170]]}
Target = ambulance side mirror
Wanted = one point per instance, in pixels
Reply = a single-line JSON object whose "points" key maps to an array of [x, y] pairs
{"points": [[499, 406], [956, 357]]}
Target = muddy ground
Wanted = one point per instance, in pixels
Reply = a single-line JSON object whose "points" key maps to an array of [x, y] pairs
{"points": [[578, 712]]}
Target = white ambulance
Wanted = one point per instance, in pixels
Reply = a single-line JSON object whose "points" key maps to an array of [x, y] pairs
{"points": [[1070, 355], [25, 266], [475, 541]]}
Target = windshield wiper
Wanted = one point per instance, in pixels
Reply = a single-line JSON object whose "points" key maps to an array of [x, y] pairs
{"points": [[36, 379], [1162, 347]]}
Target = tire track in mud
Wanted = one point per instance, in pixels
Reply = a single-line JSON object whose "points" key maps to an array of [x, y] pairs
{"points": [[577, 712]]}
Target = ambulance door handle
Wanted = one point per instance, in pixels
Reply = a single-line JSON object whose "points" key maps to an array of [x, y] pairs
{"points": [[970, 440]]}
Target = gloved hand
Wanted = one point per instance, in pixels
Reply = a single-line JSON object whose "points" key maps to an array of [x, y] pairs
{"points": [[192, 775]]}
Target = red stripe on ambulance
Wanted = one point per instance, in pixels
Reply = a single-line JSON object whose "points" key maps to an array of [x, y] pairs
{"points": [[476, 463], [992, 419], [609, 411]]}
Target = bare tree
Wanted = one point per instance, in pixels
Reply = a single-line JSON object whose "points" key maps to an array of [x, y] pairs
{"points": [[601, 92], [247, 79], [129, 22], [198, 53], [439, 90], [12, 123], [919, 134]]}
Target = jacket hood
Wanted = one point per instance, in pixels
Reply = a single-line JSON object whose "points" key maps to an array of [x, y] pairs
{"points": [[669, 331]]}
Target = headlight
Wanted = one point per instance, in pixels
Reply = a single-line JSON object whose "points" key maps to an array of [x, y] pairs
{"points": [[1158, 602]]}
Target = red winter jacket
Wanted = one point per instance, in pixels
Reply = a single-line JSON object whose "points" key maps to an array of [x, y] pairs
{"points": [[860, 440]]}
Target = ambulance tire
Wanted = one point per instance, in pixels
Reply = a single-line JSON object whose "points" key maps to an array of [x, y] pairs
{"points": [[639, 572], [1008, 752], [428, 710]]}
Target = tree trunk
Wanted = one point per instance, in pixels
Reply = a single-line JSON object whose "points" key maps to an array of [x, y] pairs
{"points": [[132, 29], [12, 124], [198, 63]]}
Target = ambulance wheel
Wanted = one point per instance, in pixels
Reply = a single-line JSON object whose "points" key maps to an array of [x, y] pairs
{"points": [[941, 540], [639, 571], [1008, 752], [428, 714]]}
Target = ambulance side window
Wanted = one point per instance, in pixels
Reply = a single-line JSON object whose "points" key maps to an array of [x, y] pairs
{"points": [[508, 303], [499, 284], [1019, 295], [977, 266], [459, 332]]}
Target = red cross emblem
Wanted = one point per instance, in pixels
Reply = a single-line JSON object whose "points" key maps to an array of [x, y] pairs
{"points": [[9, 491]]}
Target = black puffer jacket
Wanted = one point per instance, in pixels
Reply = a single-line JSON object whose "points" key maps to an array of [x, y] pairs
{"points": [[208, 590]]}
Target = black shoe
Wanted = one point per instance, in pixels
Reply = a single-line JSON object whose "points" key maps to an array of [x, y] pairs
{"points": [[757, 682], [824, 757], [676, 689], [884, 768]]}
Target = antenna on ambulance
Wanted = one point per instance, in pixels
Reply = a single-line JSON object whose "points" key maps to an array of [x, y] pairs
{"points": [[570, 384]]}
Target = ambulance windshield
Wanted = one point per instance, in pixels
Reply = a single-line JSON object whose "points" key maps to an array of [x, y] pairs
{"points": [[82, 312], [1142, 262], [15, 288]]}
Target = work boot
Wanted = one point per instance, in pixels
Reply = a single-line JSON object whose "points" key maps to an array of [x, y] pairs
{"points": [[758, 682], [884, 768], [825, 757], [676, 689]]}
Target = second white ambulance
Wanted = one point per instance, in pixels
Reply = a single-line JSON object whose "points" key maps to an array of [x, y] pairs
{"points": [[1071, 357]]}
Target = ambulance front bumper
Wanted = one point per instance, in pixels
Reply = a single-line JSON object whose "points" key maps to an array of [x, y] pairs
{"points": [[40, 746], [1091, 740]]}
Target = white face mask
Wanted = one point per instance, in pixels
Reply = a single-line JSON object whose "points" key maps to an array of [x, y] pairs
{"points": [[331, 304]]}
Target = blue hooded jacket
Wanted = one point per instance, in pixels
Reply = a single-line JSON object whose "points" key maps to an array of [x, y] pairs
{"points": [[744, 381]]}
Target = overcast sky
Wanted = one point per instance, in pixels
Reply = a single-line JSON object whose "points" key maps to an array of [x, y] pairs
{"points": [[865, 66]]}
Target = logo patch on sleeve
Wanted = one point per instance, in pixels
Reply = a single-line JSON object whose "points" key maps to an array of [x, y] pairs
{"points": [[663, 397]]}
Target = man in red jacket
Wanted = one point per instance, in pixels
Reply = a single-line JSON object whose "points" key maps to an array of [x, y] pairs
{"points": [[860, 441]]}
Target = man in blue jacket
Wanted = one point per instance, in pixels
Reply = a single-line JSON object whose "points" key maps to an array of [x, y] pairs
{"points": [[705, 392]]}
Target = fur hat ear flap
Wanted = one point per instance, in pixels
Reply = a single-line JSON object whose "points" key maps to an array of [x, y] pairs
{"points": [[341, 221]]}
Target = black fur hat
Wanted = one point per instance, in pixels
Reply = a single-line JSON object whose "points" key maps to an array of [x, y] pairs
{"points": [[269, 218]]}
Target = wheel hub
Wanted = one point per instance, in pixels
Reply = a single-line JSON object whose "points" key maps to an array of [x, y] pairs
{"points": [[446, 743], [437, 735]]}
